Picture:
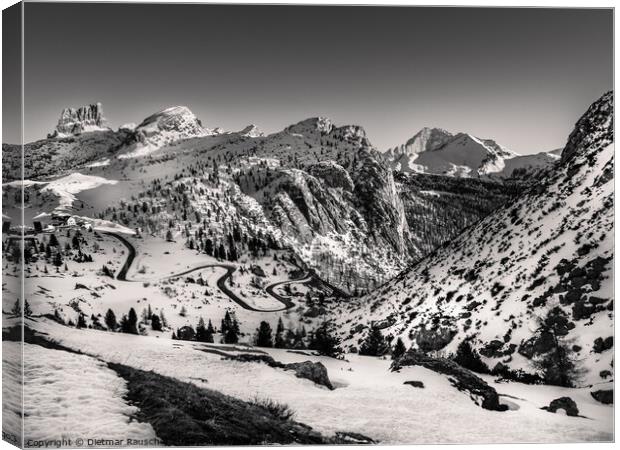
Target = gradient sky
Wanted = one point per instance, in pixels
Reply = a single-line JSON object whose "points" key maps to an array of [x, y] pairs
{"points": [[519, 76]]}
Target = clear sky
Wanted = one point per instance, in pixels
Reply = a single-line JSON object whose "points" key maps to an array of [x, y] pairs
{"points": [[519, 76]]}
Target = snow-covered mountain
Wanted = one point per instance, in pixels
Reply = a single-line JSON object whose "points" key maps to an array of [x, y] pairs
{"points": [[251, 131], [318, 188], [537, 270], [163, 128], [437, 151], [74, 121]]}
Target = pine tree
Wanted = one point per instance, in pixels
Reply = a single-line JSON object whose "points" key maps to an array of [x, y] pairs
{"points": [[81, 322], [156, 323], [399, 349], [226, 323], [469, 358], [263, 335], [201, 331], [183, 311], [374, 344], [110, 320], [325, 341], [124, 324], [557, 366], [209, 332], [132, 322], [280, 341], [164, 322], [57, 261]]}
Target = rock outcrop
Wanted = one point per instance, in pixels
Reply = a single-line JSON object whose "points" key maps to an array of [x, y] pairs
{"points": [[74, 121], [463, 379], [565, 403]]}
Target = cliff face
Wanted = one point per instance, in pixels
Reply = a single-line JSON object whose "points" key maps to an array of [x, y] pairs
{"points": [[75, 121]]}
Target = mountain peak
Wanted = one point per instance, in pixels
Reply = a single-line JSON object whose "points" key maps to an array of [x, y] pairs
{"points": [[74, 121], [322, 125], [175, 119], [251, 131], [594, 129]]}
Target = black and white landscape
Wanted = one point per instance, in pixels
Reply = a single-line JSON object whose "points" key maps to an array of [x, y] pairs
{"points": [[186, 284]]}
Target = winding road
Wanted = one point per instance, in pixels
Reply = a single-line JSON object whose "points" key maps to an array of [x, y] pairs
{"points": [[221, 282]]}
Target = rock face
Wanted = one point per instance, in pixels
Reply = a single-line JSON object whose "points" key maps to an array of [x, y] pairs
{"points": [[163, 128], [333, 174], [549, 247], [463, 379], [594, 128], [313, 371], [565, 403], [74, 121]]}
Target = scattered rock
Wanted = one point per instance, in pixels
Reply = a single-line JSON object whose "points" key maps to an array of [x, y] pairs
{"points": [[605, 396], [415, 384], [565, 403], [313, 371]]}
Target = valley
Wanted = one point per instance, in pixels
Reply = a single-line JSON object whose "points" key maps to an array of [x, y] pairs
{"points": [[306, 281]]}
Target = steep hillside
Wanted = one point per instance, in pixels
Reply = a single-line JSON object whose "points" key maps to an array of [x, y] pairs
{"points": [[530, 278], [438, 208]]}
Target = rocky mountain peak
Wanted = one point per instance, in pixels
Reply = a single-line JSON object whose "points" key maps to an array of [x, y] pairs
{"points": [[595, 129], [74, 121], [251, 131], [322, 125], [175, 118], [427, 139]]}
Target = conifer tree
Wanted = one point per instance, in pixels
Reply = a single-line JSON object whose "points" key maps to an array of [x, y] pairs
{"points": [[399, 349], [156, 323], [81, 322], [110, 320], [374, 344], [263, 335], [280, 341]]}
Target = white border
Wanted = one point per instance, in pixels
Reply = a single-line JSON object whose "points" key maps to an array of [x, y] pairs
{"points": [[481, 3]]}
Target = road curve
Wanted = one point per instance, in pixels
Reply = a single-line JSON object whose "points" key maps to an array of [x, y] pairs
{"points": [[221, 282]]}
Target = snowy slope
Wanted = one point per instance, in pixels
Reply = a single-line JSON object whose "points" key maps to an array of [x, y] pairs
{"points": [[437, 151], [69, 396], [368, 399], [552, 247]]}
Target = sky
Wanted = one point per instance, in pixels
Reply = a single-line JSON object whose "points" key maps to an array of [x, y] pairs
{"points": [[519, 76]]}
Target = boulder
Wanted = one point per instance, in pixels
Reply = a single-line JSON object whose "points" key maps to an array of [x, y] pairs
{"points": [[415, 384], [565, 403], [605, 396], [313, 371]]}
